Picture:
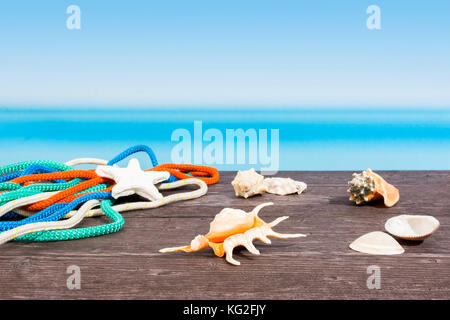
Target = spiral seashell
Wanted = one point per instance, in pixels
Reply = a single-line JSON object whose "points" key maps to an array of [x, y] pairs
{"points": [[232, 228], [369, 186]]}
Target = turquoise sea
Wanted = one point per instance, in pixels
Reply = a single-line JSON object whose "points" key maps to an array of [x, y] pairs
{"points": [[306, 139]]}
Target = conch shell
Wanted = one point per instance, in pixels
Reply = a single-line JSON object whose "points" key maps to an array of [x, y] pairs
{"points": [[232, 228], [369, 186], [249, 183]]}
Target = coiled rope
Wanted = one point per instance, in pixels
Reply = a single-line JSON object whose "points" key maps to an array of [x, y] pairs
{"points": [[21, 184]]}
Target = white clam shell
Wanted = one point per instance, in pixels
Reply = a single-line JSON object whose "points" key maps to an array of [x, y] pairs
{"points": [[284, 186], [412, 227], [378, 243]]}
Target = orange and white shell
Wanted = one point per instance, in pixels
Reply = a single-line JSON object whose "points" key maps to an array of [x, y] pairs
{"points": [[232, 228], [369, 186]]}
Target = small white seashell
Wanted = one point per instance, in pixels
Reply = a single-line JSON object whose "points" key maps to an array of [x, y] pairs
{"points": [[248, 183], [378, 243], [284, 186], [412, 227]]}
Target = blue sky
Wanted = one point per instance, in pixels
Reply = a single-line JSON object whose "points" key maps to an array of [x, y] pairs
{"points": [[225, 53]]}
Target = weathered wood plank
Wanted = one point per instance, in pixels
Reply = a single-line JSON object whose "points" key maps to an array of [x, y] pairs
{"points": [[127, 265]]}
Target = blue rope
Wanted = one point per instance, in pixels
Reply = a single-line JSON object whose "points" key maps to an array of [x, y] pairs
{"points": [[53, 212], [36, 169], [61, 208], [9, 176], [132, 150], [11, 216], [136, 149]]}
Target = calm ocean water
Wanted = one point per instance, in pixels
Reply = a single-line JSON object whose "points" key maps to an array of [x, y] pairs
{"points": [[308, 139]]}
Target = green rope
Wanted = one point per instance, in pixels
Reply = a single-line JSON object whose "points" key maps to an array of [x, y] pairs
{"points": [[34, 189], [25, 164], [7, 186], [17, 191]]}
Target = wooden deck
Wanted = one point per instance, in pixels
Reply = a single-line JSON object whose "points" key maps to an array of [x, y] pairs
{"points": [[127, 264]]}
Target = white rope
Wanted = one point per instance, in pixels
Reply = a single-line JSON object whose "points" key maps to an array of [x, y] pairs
{"points": [[79, 161], [13, 204], [203, 188], [45, 226], [75, 217], [86, 210]]}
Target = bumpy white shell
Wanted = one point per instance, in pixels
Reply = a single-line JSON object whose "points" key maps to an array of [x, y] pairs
{"points": [[284, 186], [378, 243], [248, 183], [412, 227], [361, 187]]}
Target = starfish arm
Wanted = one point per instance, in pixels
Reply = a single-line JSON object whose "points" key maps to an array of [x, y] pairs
{"points": [[134, 165], [149, 192], [121, 193], [105, 172], [157, 176]]}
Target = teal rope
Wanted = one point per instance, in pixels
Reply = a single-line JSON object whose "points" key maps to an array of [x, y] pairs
{"points": [[17, 191], [19, 166], [77, 233], [30, 190], [8, 186]]}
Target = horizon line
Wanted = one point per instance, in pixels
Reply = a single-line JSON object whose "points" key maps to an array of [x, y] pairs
{"points": [[213, 107]]}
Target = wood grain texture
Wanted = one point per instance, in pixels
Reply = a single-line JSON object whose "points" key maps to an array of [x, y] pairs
{"points": [[127, 264]]}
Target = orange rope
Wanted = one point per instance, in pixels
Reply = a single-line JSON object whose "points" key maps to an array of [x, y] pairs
{"points": [[66, 193], [209, 175], [56, 175]]}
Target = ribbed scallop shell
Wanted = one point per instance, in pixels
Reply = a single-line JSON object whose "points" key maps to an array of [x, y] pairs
{"points": [[412, 227]]}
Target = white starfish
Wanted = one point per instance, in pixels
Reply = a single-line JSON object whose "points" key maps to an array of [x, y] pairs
{"points": [[133, 180]]}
